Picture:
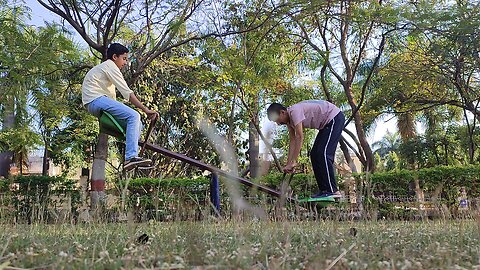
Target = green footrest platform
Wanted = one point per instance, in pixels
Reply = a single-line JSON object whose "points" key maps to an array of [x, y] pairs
{"points": [[323, 199]]}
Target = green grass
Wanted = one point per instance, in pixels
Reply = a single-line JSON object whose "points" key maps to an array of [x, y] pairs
{"points": [[243, 245]]}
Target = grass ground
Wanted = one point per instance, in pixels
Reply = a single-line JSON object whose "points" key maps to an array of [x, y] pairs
{"points": [[244, 245]]}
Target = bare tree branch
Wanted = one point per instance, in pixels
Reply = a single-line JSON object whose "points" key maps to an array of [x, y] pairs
{"points": [[359, 146]]}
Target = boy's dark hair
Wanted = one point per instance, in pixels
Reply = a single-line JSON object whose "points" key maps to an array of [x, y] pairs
{"points": [[274, 109], [116, 48]]}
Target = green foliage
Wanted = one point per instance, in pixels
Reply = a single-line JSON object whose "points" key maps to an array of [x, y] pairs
{"points": [[176, 87], [431, 72], [282, 142], [20, 141], [430, 64], [4, 185], [34, 198], [443, 146], [303, 185], [451, 178], [448, 178], [389, 143], [255, 69], [397, 182], [66, 128], [147, 185], [41, 72], [29, 183], [392, 162], [162, 199]]}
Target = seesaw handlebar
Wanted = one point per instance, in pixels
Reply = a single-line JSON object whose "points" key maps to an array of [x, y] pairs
{"points": [[153, 121]]}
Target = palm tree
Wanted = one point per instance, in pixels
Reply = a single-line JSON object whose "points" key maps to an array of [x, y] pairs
{"points": [[389, 143]]}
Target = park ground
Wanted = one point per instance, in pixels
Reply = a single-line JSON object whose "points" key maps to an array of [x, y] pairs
{"points": [[441, 244]]}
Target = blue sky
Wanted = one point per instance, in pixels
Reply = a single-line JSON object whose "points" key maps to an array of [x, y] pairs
{"points": [[39, 15]]}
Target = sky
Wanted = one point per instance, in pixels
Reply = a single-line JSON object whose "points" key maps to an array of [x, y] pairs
{"points": [[39, 14]]}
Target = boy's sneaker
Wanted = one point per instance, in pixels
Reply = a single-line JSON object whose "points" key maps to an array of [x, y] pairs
{"points": [[136, 161], [324, 194]]}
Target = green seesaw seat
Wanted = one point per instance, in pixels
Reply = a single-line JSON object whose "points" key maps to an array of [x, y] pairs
{"points": [[109, 125]]}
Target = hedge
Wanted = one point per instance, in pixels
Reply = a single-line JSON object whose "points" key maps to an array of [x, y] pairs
{"points": [[429, 178], [303, 185], [177, 196], [448, 179], [33, 201], [169, 198], [142, 185]]}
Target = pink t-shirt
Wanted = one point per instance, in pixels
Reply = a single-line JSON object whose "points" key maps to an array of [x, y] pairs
{"points": [[313, 113]]}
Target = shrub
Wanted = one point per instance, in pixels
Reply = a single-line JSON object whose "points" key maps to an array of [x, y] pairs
{"points": [[166, 199], [448, 178], [35, 198]]}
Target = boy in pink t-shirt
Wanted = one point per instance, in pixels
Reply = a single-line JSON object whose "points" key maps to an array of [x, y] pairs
{"points": [[317, 114]]}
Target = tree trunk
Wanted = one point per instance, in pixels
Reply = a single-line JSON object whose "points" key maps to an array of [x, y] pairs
{"points": [[471, 136], [45, 161], [98, 171], [21, 163], [6, 158], [420, 196], [9, 119], [370, 160], [5, 161], [231, 121], [253, 150], [437, 158], [471, 148], [348, 158], [446, 153], [357, 151], [350, 73]]}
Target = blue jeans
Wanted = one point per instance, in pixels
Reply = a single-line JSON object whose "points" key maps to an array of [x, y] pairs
{"points": [[123, 114]]}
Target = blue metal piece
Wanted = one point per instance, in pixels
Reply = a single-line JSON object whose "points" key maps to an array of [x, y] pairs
{"points": [[215, 192]]}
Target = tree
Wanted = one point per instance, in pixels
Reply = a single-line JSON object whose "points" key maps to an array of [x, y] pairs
{"points": [[353, 30], [184, 88], [448, 41], [20, 141], [258, 67], [17, 67], [57, 61], [389, 143], [454, 53], [40, 69], [157, 30], [436, 59]]}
